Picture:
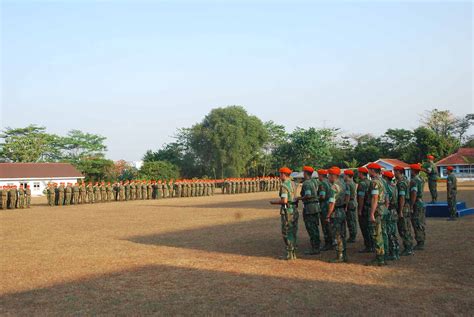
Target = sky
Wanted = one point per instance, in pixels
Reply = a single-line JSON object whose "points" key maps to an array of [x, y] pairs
{"points": [[135, 71]]}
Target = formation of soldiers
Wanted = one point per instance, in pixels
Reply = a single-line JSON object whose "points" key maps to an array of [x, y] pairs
{"points": [[250, 185], [12, 197], [386, 205]]}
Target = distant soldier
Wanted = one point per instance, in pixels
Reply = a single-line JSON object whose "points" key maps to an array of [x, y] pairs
{"points": [[96, 191], [2, 189], [12, 197], [452, 187], [213, 186], [404, 225], [377, 211], [50, 194], [5, 191], [133, 190], [90, 193], [311, 210], [417, 206], [351, 205], [21, 197], [127, 190], [75, 194], [323, 193], [393, 251], [121, 191], [28, 196], [67, 194], [61, 194], [288, 213], [166, 191], [103, 192], [432, 173], [110, 192], [363, 209]]}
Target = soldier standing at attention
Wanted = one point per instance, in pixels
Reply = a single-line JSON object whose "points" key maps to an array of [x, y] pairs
{"points": [[28, 196], [103, 192], [432, 172], [96, 192], [75, 194], [404, 225], [5, 197], [61, 194], [50, 194], [110, 192], [121, 191], [417, 206], [288, 213], [1, 197], [337, 214], [363, 209], [377, 212], [311, 211], [323, 193], [452, 188], [12, 197], [351, 205], [67, 194], [392, 218], [90, 193], [21, 197]]}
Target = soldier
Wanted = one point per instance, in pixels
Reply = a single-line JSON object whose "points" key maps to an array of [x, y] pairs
{"points": [[288, 213], [311, 211], [432, 172], [50, 194], [166, 191], [67, 194], [377, 212], [61, 194], [12, 197], [1, 198], [75, 194], [323, 193], [337, 214], [351, 204], [417, 206], [404, 226], [121, 191], [452, 187], [392, 218], [21, 197], [363, 209], [28, 196], [90, 193], [103, 192], [110, 192], [96, 191], [4, 194]]}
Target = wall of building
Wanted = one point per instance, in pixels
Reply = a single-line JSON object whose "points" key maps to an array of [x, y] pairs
{"points": [[462, 172], [37, 186]]}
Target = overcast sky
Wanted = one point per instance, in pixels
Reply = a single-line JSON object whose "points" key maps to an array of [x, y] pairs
{"points": [[136, 71]]}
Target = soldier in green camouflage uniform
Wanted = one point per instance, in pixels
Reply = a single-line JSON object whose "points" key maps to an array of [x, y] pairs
{"points": [[21, 197], [67, 194], [417, 206], [393, 252], [404, 225], [323, 193], [432, 171], [27, 196], [337, 214], [61, 194], [351, 204], [288, 213], [452, 188], [75, 194], [363, 209], [90, 193], [311, 211], [378, 211], [50, 194]]}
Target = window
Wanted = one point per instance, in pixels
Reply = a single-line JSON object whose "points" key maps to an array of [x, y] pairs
{"points": [[36, 185]]}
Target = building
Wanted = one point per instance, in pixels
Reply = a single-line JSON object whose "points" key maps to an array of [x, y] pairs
{"points": [[462, 161], [37, 175], [389, 164]]}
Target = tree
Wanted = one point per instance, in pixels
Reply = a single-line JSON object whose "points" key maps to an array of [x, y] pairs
{"points": [[78, 144], [122, 170], [399, 144], [462, 126], [442, 122], [95, 168], [159, 170], [276, 136], [428, 141]]}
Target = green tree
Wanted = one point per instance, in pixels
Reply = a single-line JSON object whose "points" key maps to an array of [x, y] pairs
{"points": [[159, 170], [428, 141], [95, 168], [399, 143], [77, 145]]}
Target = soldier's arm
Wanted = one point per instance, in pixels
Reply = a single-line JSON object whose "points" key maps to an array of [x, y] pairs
{"points": [[374, 202], [360, 199], [413, 190], [401, 202], [347, 197]]}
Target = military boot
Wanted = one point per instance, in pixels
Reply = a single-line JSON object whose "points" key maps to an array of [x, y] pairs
{"points": [[420, 246], [378, 261], [407, 252]]}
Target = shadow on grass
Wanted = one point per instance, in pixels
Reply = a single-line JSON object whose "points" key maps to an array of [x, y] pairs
{"points": [[169, 290]]}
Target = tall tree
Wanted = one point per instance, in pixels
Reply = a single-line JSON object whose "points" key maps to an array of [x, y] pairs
{"points": [[159, 170], [78, 144]]}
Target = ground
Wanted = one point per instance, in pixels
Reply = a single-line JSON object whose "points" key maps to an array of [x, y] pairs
{"points": [[214, 256]]}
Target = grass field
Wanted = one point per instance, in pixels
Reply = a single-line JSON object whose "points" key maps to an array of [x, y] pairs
{"points": [[214, 256]]}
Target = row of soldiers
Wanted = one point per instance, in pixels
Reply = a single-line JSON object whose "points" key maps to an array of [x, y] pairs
{"points": [[385, 204], [250, 185], [12, 197], [70, 194]]}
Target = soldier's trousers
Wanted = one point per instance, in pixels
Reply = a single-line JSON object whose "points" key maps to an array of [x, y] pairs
{"points": [[75, 198], [21, 202], [452, 204], [90, 198], [4, 202], [327, 230], [61, 199], [364, 228], [28, 201], [12, 202], [67, 201], [339, 229], [433, 186], [393, 245], [404, 229], [311, 222], [351, 220], [289, 228], [377, 233], [418, 222], [51, 200]]}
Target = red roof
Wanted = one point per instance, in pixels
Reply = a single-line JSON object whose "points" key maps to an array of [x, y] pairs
{"points": [[464, 156], [395, 162], [38, 170]]}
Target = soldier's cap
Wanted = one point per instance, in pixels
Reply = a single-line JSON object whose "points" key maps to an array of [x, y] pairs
{"points": [[388, 174], [349, 172], [430, 157], [374, 166], [399, 168], [363, 170], [284, 170], [334, 171], [450, 168], [415, 167], [322, 172], [308, 169]]}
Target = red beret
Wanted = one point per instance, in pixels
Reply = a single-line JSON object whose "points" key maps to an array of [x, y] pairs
{"points": [[415, 167], [308, 169], [431, 157], [388, 174], [363, 170], [349, 172], [334, 170], [322, 172], [399, 168], [450, 168], [374, 166], [285, 170]]}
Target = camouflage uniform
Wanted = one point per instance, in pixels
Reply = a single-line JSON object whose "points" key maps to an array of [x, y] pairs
{"points": [[311, 213], [323, 192], [289, 219], [60, 195], [21, 197], [452, 187], [404, 226], [351, 213], [338, 218], [68, 195], [28, 196], [90, 194], [432, 172], [75, 194], [418, 212], [377, 230], [12, 198], [50, 194], [393, 251], [363, 191]]}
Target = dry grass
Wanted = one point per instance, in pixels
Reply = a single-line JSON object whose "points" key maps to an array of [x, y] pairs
{"points": [[215, 256]]}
